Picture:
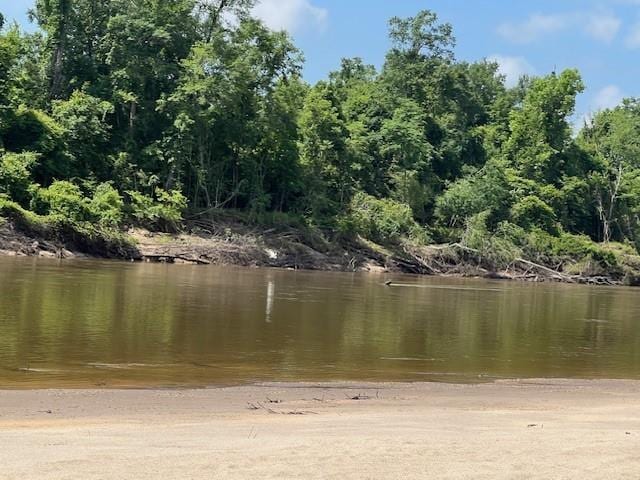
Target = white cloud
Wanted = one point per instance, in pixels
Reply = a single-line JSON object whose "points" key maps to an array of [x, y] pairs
{"points": [[512, 68], [600, 24], [633, 38], [533, 28], [607, 97], [291, 15], [603, 26]]}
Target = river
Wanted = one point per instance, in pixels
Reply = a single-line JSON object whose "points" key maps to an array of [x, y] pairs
{"points": [[92, 323]]}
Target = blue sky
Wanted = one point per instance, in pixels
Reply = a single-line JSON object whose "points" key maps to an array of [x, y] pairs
{"points": [[599, 37]]}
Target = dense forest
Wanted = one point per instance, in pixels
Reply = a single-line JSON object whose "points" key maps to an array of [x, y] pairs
{"points": [[117, 113]]}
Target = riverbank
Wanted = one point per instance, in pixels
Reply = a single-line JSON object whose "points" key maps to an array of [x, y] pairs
{"points": [[229, 242], [509, 429]]}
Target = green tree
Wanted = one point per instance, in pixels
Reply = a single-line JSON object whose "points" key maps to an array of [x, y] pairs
{"points": [[15, 175], [122, 112], [323, 154], [85, 133], [540, 142], [613, 139], [9, 47], [408, 154], [229, 91], [487, 190]]}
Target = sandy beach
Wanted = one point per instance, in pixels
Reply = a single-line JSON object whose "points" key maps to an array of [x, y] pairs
{"points": [[513, 429]]}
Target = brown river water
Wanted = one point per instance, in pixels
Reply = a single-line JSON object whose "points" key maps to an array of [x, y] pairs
{"points": [[94, 323]]}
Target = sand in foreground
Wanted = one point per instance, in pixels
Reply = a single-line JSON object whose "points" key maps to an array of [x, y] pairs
{"points": [[515, 429]]}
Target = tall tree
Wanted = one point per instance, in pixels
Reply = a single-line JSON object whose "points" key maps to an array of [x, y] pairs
{"points": [[324, 154], [220, 108], [54, 17], [613, 138], [9, 51], [540, 139]]}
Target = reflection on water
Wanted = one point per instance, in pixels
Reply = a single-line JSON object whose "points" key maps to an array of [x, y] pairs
{"points": [[103, 323], [270, 291]]}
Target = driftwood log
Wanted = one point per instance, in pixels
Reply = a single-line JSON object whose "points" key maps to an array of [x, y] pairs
{"points": [[171, 258], [519, 269]]}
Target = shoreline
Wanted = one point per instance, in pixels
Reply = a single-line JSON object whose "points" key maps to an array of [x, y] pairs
{"points": [[533, 428], [322, 383], [243, 247]]}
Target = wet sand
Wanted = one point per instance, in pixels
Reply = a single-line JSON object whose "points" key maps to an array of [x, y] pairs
{"points": [[506, 430]]}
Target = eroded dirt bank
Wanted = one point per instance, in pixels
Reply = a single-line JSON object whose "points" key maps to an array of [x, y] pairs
{"points": [[235, 244], [561, 429]]}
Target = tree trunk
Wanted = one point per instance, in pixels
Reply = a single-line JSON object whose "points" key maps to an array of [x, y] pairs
{"points": [[57, 62]]}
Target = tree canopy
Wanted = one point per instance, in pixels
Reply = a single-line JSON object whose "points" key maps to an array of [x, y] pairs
{"points": [[134, 111]]}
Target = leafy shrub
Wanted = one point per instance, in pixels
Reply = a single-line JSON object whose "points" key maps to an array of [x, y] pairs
{"points": [[486, 190], [382, 221], [107, 205], [574, 246], [85, 132], [407, 188], [34, 131], [495, 248], [22, 218], [15, 175], [581, 246], [83, 236], [171, 205], [540, 246], [63, 199], [531, 211], [163, 212]]}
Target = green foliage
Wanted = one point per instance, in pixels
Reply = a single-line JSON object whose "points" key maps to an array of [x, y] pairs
{"points": [[531, 211], [175, 106], [408, 188], [382, 220], [9, 46], [107, 206], [15, 175], [422, 34], [485, 191], [163, 212], [63, 199], [561, 250], [23, 218], [80, 235], [32, 130], [494, 248], [612, 140], [540, 132], [323, 154], [233, 119], [85, 133]]}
